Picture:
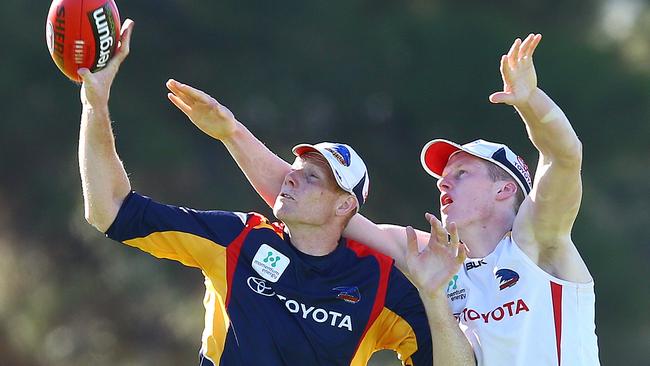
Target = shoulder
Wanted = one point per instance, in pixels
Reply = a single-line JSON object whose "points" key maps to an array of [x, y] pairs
{"points": [[256, 221], [140, 216], [559, 259]]}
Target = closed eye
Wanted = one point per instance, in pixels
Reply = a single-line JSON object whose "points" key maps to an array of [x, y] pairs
{"points": [[313, 176]]}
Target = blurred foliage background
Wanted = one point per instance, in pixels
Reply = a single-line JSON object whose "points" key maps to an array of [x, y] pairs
{"points": [[384, 76]]}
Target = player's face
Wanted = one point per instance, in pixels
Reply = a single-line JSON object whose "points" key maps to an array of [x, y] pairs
{"points": [[309, 193], [467, 193]]}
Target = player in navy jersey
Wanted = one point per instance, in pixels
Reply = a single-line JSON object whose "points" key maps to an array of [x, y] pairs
{"points": [[525, 295], [293, 292]]}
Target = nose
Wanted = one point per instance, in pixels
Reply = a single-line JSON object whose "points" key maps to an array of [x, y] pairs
{"points": [[290, 179], [443, 184]]}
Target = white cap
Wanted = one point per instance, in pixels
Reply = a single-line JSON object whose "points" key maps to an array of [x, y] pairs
{"points": [[348, 168], [436, 153]]}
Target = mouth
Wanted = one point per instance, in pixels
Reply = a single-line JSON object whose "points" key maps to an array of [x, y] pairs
{"points": [[445, 200], [287, 196]]}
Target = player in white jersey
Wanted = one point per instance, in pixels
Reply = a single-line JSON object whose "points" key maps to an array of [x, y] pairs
{"points": [[524, 296]]}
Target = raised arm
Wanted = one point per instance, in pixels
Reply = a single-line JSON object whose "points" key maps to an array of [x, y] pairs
{"points": [[264, 170], [103, 179], [543, 225]]}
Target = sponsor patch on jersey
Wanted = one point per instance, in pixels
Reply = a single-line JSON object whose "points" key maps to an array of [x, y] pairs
{"points": [[305, 311], [349, 294], [507, 278], [270, 263], [260, 287], [453, 292], [503, 312]]}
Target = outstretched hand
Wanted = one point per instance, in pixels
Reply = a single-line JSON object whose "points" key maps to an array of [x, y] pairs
{"points": [[518, 72], [431, 268], [96, 86], [204, 111]]}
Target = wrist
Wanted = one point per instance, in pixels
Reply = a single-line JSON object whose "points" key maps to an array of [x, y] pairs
{"points": [[438, 309], [233, 136], [434, 295], [96, 110], [530, 103]]}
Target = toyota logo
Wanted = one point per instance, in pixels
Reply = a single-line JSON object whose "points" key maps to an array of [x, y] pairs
{"points": [[259, 286]]}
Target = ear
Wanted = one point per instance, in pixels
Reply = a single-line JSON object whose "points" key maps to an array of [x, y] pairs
{"points": [[508, 189], [345, 204]]}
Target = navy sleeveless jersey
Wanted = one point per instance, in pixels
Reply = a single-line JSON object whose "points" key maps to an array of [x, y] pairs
{"points": [[268, 303]]}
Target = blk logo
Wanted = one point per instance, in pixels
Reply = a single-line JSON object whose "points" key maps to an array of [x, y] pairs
{"points": [[474, 264]]}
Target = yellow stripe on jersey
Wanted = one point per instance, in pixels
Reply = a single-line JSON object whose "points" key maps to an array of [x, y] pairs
{"points": [[216, 323], [210, 257], [189, 249], [400, 338]]}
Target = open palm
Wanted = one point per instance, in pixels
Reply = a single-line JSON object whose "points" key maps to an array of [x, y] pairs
{"points": [[431, 268], [518, 72], [204, 111]]}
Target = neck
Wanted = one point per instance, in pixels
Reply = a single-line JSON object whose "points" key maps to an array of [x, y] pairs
{"points": [[316, 240], [482, 238]]}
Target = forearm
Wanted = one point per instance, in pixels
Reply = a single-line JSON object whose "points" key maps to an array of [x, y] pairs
{"points": [[549, 129], [104, 181], [450, 346], [263, 169]]}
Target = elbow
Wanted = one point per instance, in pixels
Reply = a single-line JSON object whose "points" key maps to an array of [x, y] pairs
{"points": [[574, 153], [571, 155], [98, 219], [97, 222]]}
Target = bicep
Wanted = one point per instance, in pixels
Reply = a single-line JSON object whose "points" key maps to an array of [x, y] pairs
{"points": [[555, 198], [545, 218]]}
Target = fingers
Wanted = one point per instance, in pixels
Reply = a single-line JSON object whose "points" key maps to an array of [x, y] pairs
{"points": [[523, 50], [438, 233], [525, 46], [463, 252], [84, 73], [453, 236], [125, 40], [533, 45], [458, 249], [411, 242], [180, 104], [502, 97], [176, 88], [504, 68], [187, 93], [513, 52]]}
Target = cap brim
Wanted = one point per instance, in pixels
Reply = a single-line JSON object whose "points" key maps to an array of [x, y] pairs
{"points": [[304, 148], [435, 155]]}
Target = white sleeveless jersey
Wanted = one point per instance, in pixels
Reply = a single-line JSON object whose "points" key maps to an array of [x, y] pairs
{"points": [[514, 313]]}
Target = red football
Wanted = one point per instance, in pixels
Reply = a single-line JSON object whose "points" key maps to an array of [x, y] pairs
{"points": [[82, 33]]}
